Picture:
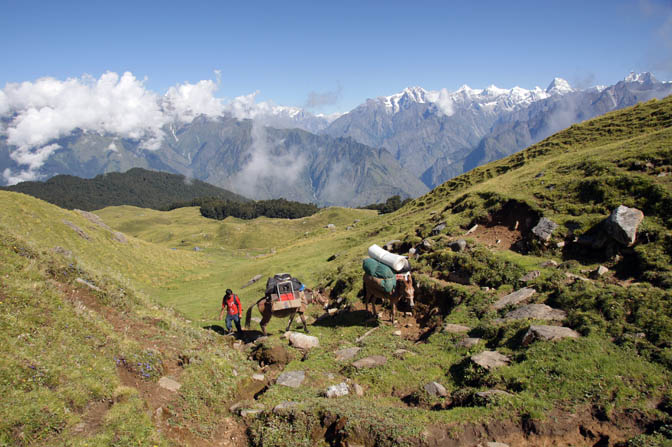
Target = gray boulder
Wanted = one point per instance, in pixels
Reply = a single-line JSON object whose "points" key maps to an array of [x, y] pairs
{"points": [[514, 298], [490, 360], [284, 406], [529, 276], [438, 228], [254, 279], [544, 229], [623, 223], [370, 362], [339, 390], [169, 384], [535, 312], [346, 354], [468, 342], [435, 389], [455, 328], [548, 333], [303, 341], [292, 379], [458, 245]]}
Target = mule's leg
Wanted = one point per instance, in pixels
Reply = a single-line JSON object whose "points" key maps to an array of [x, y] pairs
{"points": [[394, 312], [305, 325], [373, 306], [291, 320], [265, 318]]}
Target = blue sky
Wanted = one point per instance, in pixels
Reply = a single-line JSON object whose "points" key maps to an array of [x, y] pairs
{"points": [[337, 53]]}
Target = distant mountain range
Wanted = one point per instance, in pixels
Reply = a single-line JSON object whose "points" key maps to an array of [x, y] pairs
{"points": [[403, 144], [137, 187]]}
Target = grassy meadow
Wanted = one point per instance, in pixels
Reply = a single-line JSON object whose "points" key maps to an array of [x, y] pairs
{"points": [[158, 295]]}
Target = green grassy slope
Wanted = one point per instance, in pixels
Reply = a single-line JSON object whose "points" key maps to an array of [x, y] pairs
{"points": [[615, 379]]}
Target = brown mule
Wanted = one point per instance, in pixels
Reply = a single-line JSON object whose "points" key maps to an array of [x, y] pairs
{"points": [[266, 310], [373, 289]]}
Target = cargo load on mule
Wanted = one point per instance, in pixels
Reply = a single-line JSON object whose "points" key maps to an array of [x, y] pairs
{"points": [[283, 291], [385, 266]]}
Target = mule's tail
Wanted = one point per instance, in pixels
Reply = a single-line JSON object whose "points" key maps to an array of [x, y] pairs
{"points": [[248, 314]]}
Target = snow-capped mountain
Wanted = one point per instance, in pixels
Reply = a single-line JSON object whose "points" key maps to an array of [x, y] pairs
{"points": [[437, 135]]}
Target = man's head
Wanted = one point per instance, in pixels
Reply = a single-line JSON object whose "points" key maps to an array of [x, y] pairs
{"points": [[229, 292]]}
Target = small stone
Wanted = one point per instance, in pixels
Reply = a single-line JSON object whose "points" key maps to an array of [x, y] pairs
{"points": [[560, 244], [472, 229], [458, 245], [303, 341], [514, 298], [536, 312], [455, 328], [332, 311], [158, 413], [346, 354], [529, 276], [397, 333], [438, 228], [600, 271], [490, 359], [491, 395], [250, 412], [330, 226], [435, 389], [544, 229], [87, 284], [292, 379], [169, 384], [339, 390], [548, 333], [496, 444], [370, 362], [357, 389], [259, 377], [468, 342], [284, 406], [549, 264], [401, 353]]}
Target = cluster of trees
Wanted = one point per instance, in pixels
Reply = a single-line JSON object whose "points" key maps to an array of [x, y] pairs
{"points": [[277, 208], [391, 204], [138, 187]]}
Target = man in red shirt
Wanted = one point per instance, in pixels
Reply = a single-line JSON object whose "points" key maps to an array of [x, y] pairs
{"points": [[234, 310]]}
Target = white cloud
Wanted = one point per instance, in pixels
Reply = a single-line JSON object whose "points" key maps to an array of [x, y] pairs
{"points": [[113, 147], [187, 101], [33, 159]]}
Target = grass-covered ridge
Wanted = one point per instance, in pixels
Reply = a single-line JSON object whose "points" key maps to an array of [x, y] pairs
{"points": [[609, 386]]}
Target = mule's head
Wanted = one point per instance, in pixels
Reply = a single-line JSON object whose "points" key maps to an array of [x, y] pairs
{"points": [[407, 291]]}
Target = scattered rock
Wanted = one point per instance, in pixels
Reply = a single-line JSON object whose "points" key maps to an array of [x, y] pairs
{"points": [[292, 379], [600, 271], [472, 229], [438, 228], [339, 390], [536, 312], [370, 362], [468, 342], [349, 227], [119, 237], [356, 221], [490, 359], [455, 328], [529, 276], [330, 226], [548, 333], [88, 284], [458, 245], [78, 230], [94, 219], [496, 444], [303, 341], [250, 412], [549, 264], [397, 333], [401, 353], [254, 279], [346, 354], [514, 298], [544, 229], [560, 244], [623, 223], [284, 406], [427, 244], [270, 355], [169, 384], [259, 377], [366, 334], [357, 389], [435, 389], [197, 248], [573, 277]]}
